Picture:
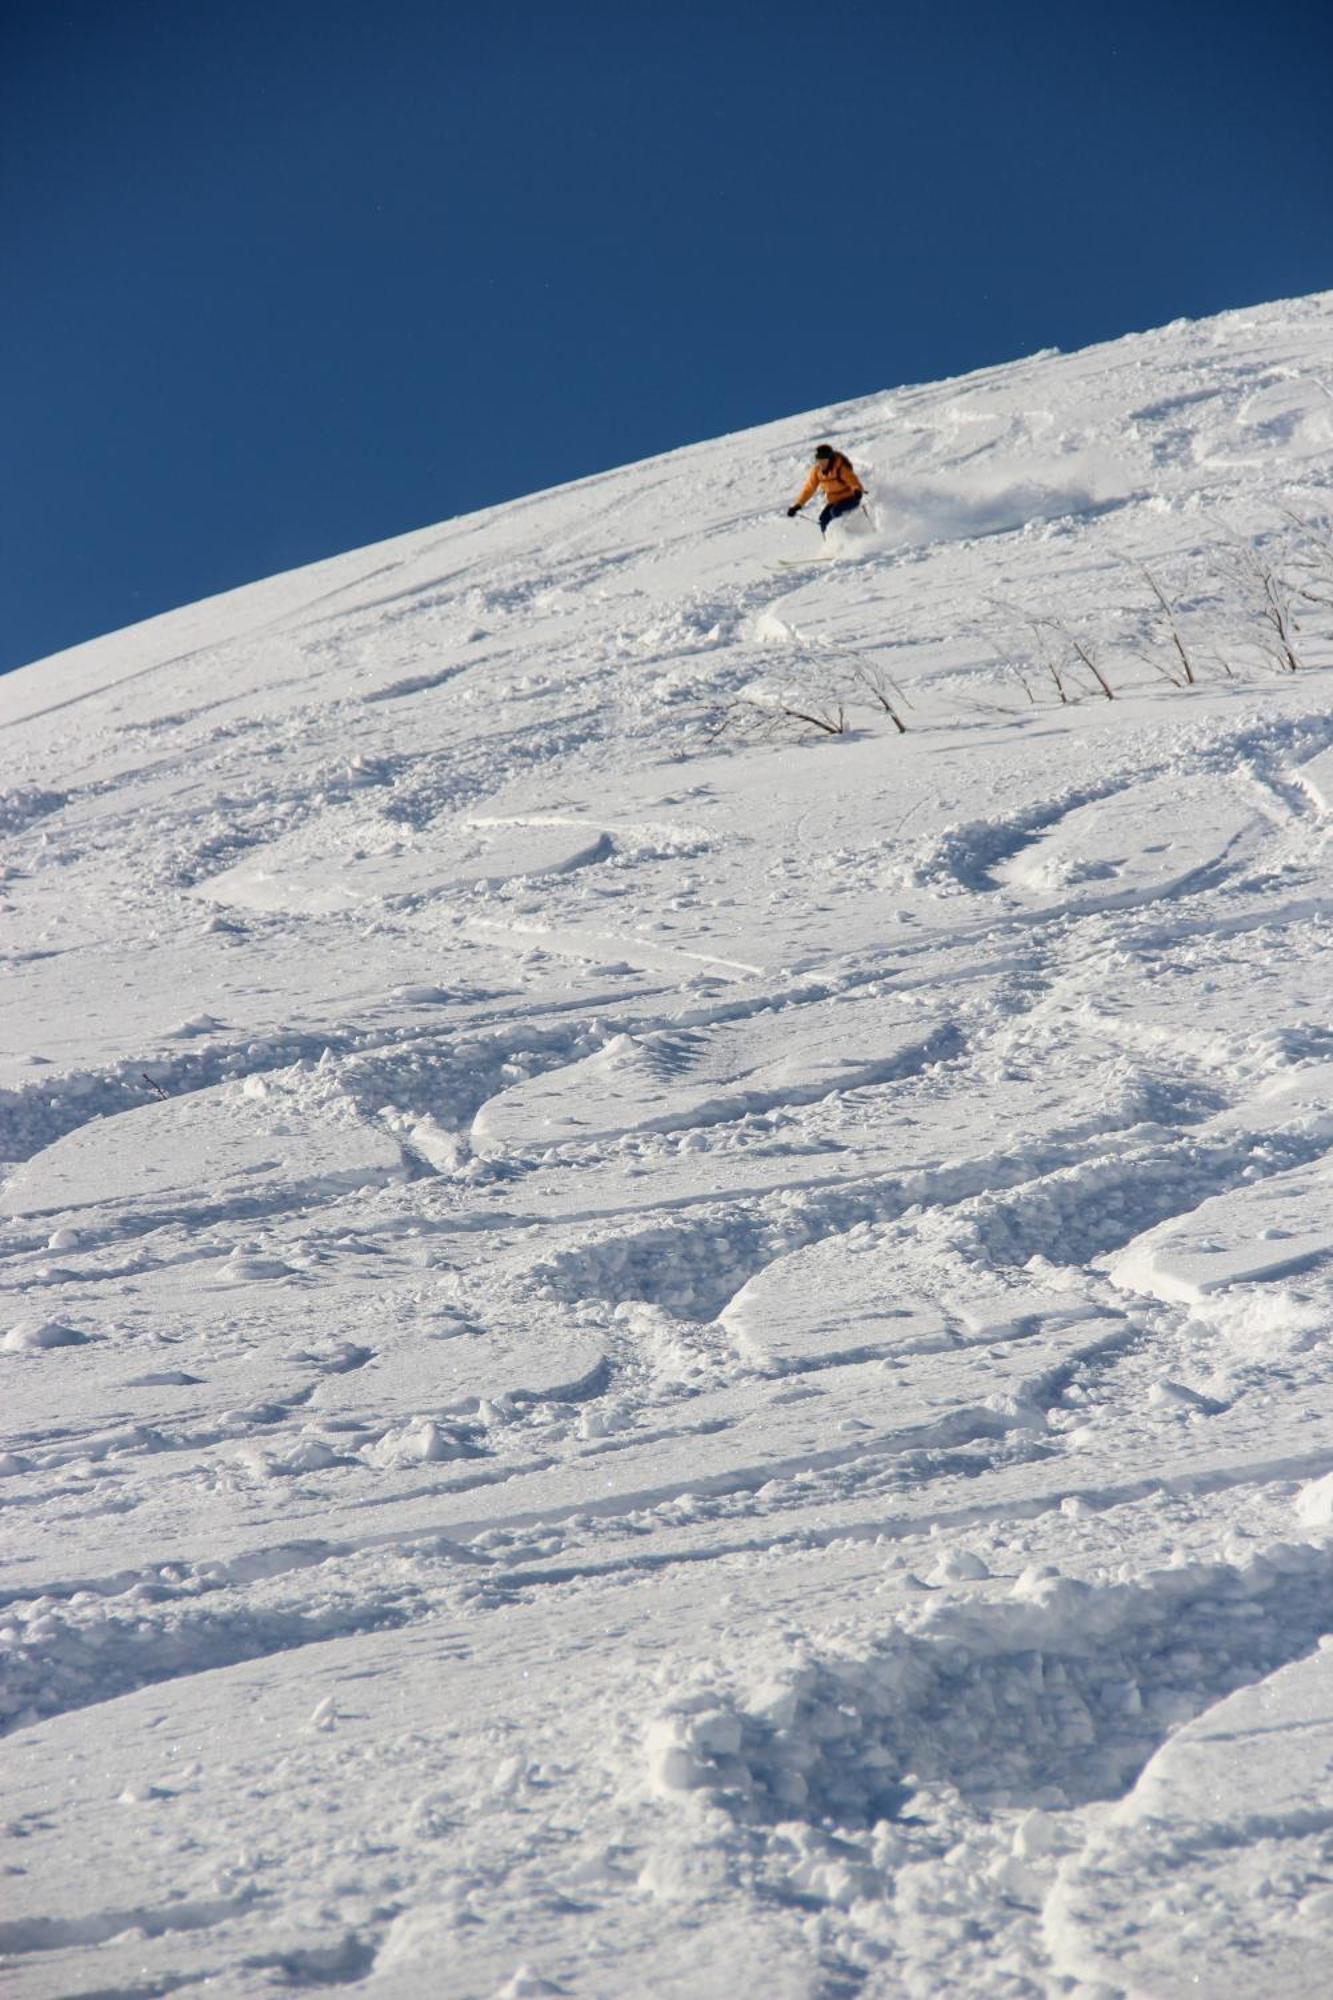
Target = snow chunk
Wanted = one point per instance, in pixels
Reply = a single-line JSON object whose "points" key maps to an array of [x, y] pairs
{"points": [[527, 1984], [1314, 1502], [959, 1566], [422, 1441]]}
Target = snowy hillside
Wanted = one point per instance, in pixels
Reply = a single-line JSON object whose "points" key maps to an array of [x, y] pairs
{"points": [[654, 1350]]}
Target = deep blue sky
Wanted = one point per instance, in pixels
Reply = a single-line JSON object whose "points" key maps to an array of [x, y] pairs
{"points": [[281, 277]]}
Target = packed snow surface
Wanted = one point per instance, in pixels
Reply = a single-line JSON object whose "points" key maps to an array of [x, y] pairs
{"points": [[661, 1339]]}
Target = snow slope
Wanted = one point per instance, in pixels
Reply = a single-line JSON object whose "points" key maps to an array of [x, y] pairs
{"points": [[649, 1350]]}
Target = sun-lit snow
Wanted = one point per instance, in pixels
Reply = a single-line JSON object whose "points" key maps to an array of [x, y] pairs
{"points": [[655, 1348]]}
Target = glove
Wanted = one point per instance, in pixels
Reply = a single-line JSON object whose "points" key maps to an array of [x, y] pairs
{"points": [[792, 512]]}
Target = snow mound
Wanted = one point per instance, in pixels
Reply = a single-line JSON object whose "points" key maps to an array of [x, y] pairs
{"points": [[1062, 1694], [32, 1336], [214, 1148], [1217, 1857]]}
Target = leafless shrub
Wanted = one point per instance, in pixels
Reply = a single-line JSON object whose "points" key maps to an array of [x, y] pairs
{"points": [[760, 717], [1184, 671], [1050, 661], [1312, 558], [825, 682], [1029, 653], [1020, 674], [871, 679], [1239, 594], [1266, 601], [1052, 650], [832, 718], [1085, 652]]}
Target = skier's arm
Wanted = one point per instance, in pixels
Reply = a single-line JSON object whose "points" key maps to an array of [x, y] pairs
{"points": [[807, 490]]}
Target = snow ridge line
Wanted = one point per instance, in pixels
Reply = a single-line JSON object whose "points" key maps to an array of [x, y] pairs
{"points": [[39, 1114], [528, 1575], [57, 1660], [59, 1657], [1061, 1201], [36, 1934]]}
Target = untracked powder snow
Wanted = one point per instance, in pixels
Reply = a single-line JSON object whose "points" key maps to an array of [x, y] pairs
{"points": [[667, 1229]]}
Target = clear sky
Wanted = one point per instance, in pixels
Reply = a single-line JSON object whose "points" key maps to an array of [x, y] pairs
{"points": [[282, 277]]}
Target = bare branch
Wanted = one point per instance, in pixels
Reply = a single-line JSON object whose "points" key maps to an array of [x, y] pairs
{"points": [[1085, 653], [832, 722], [1174, 633], [882, 690], [1270, 599], [759, 720]]}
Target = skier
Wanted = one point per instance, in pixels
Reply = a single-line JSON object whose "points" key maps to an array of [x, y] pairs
{"points": [[843, 491]]}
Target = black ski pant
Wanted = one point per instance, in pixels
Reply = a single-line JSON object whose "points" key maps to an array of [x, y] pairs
{"points": [[836, 507]]}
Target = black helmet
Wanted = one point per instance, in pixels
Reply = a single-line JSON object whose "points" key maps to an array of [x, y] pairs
{"points": [[825, 451]]}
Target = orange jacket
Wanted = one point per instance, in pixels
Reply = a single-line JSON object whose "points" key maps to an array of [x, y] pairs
{"points": [[836, 477]]}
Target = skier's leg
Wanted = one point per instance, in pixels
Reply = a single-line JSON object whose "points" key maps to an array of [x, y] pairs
{"points": [[836, 508]]}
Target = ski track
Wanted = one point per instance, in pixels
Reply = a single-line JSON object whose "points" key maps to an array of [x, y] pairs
{"points": [[509, 1194]]}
